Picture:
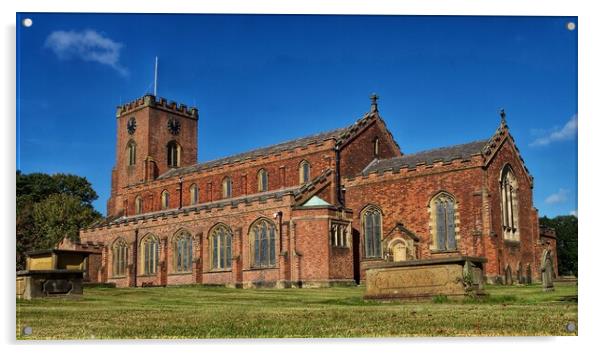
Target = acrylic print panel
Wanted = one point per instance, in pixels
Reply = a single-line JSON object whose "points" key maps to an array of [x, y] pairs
{"points": [[190, 176]]}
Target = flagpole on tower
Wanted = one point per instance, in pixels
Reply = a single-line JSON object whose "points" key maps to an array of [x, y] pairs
{"points": [[156, 66]]}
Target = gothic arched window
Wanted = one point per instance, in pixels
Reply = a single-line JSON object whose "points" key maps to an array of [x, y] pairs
{"points": [[149, 250], [262, 239], [376, 147], [182, 254], [509, 198], [227, 187], [120, 257], [194, 194], [262, 180], [443, 211], [220, 241], [372, 226], [173, 154], [304, 172], [131, 153], [164, 200], [138, 205]]}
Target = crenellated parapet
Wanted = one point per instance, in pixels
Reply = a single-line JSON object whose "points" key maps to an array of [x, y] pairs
{"points": [[160, 103]]}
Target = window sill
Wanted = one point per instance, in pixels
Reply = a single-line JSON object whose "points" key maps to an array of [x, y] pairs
{"points": [[180, 273], [511, 241], [456, 251], [373, 259], [261, 268], [219, 270], [118, 277], [340, 247]]}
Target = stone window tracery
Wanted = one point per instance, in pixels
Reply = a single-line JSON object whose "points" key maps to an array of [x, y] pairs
{"points": [[304, 172], [131, 153], [149, 250], [443, 216], [173, 154], [227, 187], [263, 244], [120, 257], [194, 194], [221, 248], [509, 199], [338, 235], [164, 200], [262, 180], [372, 227], [182, 253]]}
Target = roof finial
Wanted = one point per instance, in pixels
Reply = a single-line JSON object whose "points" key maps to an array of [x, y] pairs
{"points": [[503, 117], [374, 105]]}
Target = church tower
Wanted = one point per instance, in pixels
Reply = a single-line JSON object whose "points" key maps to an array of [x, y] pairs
{"points": [[153, 136]]}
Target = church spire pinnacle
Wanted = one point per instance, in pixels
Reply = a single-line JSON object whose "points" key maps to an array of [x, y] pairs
{"points": [[374, 105], [502, 117]]}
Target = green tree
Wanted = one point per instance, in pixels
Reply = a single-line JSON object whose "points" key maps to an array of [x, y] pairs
{"points": [[50, 207], [566, 242], [59, 216]]}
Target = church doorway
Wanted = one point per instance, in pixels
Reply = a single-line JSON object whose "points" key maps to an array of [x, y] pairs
{"points": [[399, 251]]}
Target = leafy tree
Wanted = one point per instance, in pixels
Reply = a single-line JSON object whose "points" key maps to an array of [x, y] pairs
{"points": [[50, 207], [566, 242], [59, 216]]}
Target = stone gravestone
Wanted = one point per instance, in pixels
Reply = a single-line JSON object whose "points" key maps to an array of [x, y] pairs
{"points": [[547, 272]]}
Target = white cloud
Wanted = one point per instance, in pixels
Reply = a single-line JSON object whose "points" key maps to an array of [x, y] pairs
{"points": [[573, 213], [568, 131], [86, 45], [558, 197]]}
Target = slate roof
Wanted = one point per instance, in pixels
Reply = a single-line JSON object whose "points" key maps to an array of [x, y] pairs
{"points": [[444, 154], [340, 135]]}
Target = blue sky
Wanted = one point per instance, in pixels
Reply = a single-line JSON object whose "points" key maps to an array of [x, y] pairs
{"points": [[262, 79]]}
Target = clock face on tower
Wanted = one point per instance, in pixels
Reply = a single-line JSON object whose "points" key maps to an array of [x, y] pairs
{"points": [[131, 125], [174, 126]]}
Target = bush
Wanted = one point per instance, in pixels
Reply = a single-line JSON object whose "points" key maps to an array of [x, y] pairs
{"points": [[440, 299]]}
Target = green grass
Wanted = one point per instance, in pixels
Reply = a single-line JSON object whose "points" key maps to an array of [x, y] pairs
{"points": [[214, 312]]}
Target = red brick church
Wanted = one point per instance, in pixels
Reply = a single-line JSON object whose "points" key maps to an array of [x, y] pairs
{"points": [[314, 211]]}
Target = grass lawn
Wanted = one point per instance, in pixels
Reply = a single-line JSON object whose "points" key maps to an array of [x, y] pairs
{"points": [[214, 312]]}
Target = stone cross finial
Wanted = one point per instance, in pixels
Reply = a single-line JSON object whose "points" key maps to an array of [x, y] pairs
{"points": [[503, 116], [374, 105]]}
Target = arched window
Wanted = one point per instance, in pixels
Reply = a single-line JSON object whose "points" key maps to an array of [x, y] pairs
{"points": [[182, 254], [376, 147], [173, 154], [164, 200], [120, 257], [194, 194], [149, 250], [221, 248], [372, 226], [131, 152], [138, 205], [509, 197], [443, 211], [304, 172], [263, 243], [227, 187], [262, 180]]}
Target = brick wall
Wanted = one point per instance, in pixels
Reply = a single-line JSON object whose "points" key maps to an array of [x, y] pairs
{"points": [[283, 172], [404, 197], [357, 153], [506, 253]]}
